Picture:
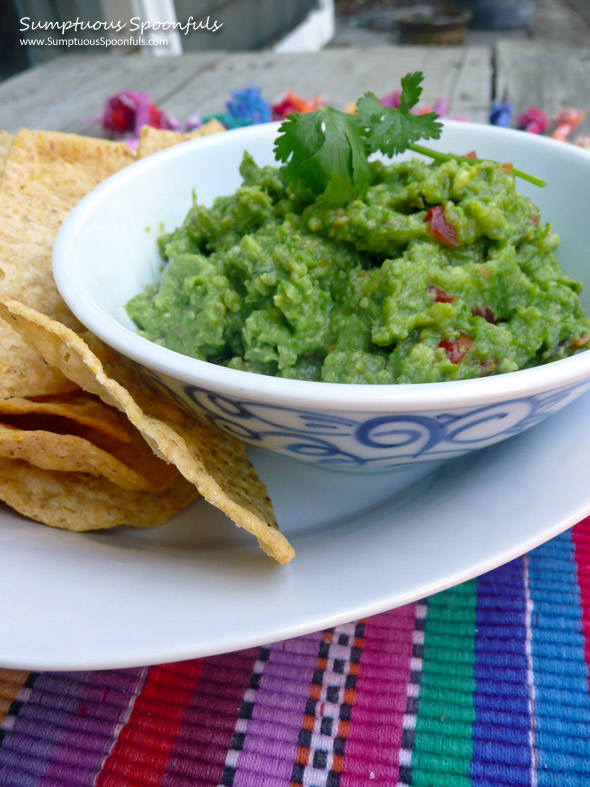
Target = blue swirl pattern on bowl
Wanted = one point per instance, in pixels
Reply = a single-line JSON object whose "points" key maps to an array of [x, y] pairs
{"points": [[367, 441]]}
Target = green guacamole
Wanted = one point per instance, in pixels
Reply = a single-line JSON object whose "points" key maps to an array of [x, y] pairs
{"points": [[441, 272]]}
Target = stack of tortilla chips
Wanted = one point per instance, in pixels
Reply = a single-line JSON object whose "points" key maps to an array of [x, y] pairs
{"points": [[86, 439]]}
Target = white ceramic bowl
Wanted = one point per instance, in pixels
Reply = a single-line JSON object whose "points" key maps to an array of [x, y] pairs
{"points": [[106, 253]]}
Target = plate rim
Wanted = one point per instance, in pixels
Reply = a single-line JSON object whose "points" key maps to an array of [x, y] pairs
{"points": [[194, 647]]}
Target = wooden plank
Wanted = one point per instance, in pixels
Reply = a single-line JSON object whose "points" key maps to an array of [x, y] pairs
{"points": [[67, 93], [546, 75], [562, 21], [342, 75], [582, 7], [472, 92]]}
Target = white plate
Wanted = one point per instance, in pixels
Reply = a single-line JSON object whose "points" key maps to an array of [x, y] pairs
{"points": [[197, 586]]}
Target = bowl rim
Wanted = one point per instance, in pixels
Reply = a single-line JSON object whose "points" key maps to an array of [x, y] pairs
{"points": [[250, 386]]}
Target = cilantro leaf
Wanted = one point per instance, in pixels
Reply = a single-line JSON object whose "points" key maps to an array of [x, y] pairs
{"points": [[323, 151], [411, 90], [391, 130]]}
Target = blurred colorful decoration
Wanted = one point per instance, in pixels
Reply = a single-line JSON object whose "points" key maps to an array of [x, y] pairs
{"points": [[391, 99], [228, 120], [533, 120], [249, 105], [583, 141], [246, 107], [441, 107], [566, 122], [193, 123], [127, 111], [501, 114], [290, 102]]}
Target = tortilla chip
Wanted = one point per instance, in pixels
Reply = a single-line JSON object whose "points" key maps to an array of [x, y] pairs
{"points": [[58, 443], [213, 461], [23, 373], [5, 143], [80, 407], [70, 453], [151, 140], [46, 175], [76, 501]]}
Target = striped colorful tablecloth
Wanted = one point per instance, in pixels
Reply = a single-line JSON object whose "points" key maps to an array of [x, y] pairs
{"points": [[484, 684]]}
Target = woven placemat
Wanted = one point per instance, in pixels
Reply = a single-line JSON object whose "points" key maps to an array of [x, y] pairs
{"points": [[484, 684]]}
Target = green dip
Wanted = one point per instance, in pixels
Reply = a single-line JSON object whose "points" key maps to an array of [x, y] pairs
{"points": [[441, 272]]}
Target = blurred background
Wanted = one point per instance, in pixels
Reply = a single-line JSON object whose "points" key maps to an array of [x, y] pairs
{"points": [[284, 25]]}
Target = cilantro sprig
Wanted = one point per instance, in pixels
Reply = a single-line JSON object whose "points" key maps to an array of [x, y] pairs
{"points": [[392, 130], [327, 151]]}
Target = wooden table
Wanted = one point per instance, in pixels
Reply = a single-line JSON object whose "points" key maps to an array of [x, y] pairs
{"points": [[66, 94]]}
